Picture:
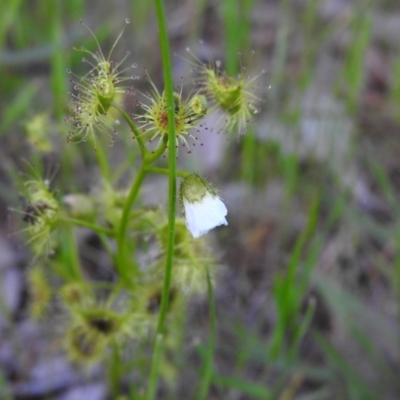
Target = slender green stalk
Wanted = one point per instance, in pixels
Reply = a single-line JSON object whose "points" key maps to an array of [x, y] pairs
{"points": [[148, 158], [107, 247], [134, 130], [171, 160], [103, 162], [236, 21], [70, 267], [208, 368], [165, 53], [158, 152], [89, 225], [122, 229], [155, 364], [230, 12]]}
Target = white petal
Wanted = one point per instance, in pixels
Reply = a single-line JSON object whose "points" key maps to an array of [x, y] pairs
{"points": [[205, 215]]}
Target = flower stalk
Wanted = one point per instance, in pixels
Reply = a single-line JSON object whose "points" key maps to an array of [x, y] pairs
{"points": [[169, 95]]}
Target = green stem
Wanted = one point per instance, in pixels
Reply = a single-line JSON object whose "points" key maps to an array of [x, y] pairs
{"points": [[107, 248], [231, 21], [208, 368], [134, 130], [89, 225], [158, 152], [171, 160], [101, 159], [165, 53], [155, 364], [121, 233], [70, 266], [126, 212], [103, 162]]}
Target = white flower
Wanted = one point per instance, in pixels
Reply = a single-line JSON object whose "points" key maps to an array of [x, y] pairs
{"points": [[202, 207]]}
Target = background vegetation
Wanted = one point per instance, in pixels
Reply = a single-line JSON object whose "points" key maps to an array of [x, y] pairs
{"points": [[307, 297]]}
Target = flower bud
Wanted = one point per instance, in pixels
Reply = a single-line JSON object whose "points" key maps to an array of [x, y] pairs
{"points": [[234, 98], [187, 113], [198, 105], [95, 93]]}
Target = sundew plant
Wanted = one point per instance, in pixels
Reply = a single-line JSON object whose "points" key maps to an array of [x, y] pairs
{"points": [[160, 259]]}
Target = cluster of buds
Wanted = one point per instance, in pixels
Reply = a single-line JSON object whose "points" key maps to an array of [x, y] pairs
{"points": [[41, 214], [95, 93]]}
